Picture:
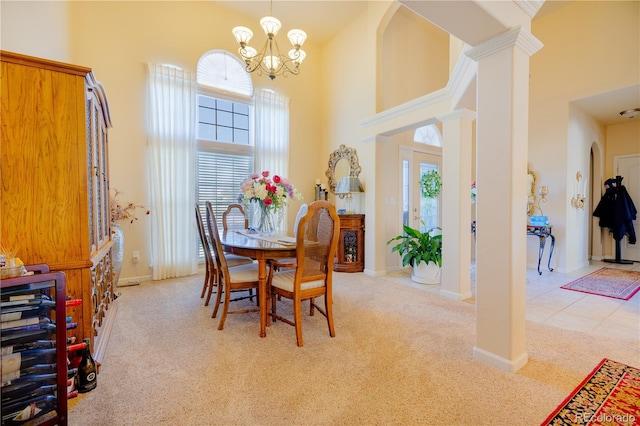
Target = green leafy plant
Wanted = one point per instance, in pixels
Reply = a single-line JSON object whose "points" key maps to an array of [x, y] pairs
{"points": [[415, 246], [431, 184]]}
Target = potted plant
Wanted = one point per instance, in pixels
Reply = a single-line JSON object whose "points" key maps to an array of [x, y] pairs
{"points": [[421, 250]]}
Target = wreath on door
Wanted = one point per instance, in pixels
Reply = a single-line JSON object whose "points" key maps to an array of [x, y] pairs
{"points": [[431, 184]]}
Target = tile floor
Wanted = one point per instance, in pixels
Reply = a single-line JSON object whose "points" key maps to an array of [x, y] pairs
{"points": [[547, 303]]}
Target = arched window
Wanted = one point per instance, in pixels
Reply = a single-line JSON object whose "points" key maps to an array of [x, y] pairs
{"points": [[428, 135], [222, 71], [225, 130]]}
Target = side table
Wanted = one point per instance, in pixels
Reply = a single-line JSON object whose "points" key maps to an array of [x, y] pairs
{"points": [[350, 252]]}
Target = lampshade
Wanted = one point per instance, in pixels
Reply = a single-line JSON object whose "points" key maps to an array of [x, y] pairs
{"points": [[349, 184]]}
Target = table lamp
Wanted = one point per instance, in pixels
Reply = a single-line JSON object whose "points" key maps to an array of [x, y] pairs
{"points": [[347, 186]]}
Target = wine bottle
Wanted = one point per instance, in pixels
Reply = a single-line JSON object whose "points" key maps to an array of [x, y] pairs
{"points": [[26, 384], [21, 360], [19, 335], [29, 371], [87, 370], [27, 321], [38, 344], [42, 390], [19, 309], [30, 409], [73, 302]]}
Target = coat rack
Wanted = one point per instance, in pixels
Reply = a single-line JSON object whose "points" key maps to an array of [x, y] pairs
{"points": [[610, 217]]}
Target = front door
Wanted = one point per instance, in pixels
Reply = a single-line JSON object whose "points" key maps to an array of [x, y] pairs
{"points": [[419, 212], [628, 166]]}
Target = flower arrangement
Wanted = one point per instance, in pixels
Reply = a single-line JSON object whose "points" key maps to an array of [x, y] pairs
{"points": [[474, 192], [124, 211], [271, 192], [431, 183]]}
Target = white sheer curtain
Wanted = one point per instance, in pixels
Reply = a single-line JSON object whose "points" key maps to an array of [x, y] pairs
{"points": [[272, 134], [171, 120]]}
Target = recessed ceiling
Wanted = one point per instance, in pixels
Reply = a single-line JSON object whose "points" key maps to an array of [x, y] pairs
{"points": [[321, 20]]}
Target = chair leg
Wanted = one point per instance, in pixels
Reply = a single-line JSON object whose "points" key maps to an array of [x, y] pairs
{"points": [[212, 282], [297, 315], [219, 289], [328, 308], [273, 309], [311, 307], [205, 284], [225, 308]]}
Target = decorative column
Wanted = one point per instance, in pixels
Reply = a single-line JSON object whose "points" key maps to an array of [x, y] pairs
{"points": [[501, 155], [456, 199]]}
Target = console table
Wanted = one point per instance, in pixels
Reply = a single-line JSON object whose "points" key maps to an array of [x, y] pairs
{"points": [[542, 232]]}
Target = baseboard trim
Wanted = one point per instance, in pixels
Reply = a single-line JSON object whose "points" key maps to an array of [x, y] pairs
{"points": [[456, 296], [510, 366], [104, 332]]}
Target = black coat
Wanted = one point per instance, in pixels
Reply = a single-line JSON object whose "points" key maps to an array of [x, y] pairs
{"points": [[616, 212]]}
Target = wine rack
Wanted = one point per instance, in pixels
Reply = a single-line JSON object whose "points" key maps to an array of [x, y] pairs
{"points": [[32, 327]]}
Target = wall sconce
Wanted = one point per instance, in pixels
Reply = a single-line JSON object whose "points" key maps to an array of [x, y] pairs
{"points": [[542, 191], [577, 201], [347, 186]]}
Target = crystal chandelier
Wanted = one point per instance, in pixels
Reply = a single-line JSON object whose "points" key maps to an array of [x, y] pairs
{"points": [[269, 60]]}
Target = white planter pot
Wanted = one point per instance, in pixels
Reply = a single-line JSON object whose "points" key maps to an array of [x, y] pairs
{"points": [[426, 273]]}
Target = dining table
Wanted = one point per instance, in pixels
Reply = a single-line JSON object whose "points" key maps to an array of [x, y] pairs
{"points": [[260, 247]]}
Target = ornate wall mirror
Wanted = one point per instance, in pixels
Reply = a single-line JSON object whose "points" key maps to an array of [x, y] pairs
{"points": [[343, 162], [531, 196]]}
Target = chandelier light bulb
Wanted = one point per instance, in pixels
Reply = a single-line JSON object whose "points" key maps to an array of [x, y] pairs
{"points": [[297, 55], [242, 35], [272, 63], [297, 37], [248, 52], [270, 25]]}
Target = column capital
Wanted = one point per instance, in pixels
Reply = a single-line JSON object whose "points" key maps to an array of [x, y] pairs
{"points": [[514, 37], [457, 114]]}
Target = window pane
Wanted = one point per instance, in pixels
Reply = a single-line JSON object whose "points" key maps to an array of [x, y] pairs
{"points": [[241, 121], [207, 131], [225, 118], [241, 137], [240, 108], [206, 101], [224, 105], [225, 134], [206, 115]]}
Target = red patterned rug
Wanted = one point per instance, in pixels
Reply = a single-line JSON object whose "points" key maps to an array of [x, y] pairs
{"points": [[610, 395], [608, 282]]}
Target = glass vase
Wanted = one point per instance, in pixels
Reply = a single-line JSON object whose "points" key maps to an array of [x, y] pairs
{"points": [[117, 251], [266, 220]]}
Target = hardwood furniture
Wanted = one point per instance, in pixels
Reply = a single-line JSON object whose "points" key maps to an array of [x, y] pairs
{"points": [[316, 242], [262, 249], [350, 253], [52, 388], [543, 232], [54, 205], [234, 218], [239, 278]]}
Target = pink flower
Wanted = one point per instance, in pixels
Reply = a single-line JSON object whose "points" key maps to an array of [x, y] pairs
{"points": [[267, 201], [265, 173], [276, 178]]}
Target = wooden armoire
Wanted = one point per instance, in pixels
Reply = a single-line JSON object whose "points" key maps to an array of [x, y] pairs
{"points": [[54, 177]]}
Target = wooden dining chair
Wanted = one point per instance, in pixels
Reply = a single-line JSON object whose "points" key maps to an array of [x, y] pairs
{"points": [[316, 242], [210, 276], [291, 262], [234, 217], [230, 279]]}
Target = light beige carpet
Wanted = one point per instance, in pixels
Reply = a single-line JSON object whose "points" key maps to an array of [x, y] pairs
{"points": [[401, 356]]}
